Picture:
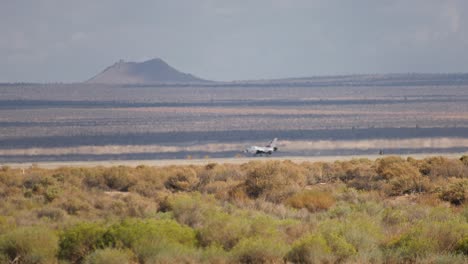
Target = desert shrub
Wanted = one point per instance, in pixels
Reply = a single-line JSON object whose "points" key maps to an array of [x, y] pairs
{"points": [[259, 250], [401, 176], [52, 193], [78, 241], [394, 167], [456, 192], [444, 258], [38, 184], [394, 217], [118, 178], [52, 213], [74, 204], [364, 233], [182, 179], [109, 256], [333, 232], [339, 246], [310, 249], [464, 160], [131, 231], [429, 237], [462, 246], [154, 251], [219, 172], [411, 182], [222, 229], [312, 200], [29, 245], [408, 248], [274, 180], [313, 172], [442, 167], [238, 193], [190, 209], [214, 254]]}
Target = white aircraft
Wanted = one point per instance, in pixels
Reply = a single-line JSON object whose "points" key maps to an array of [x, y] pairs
{"points": [[268, 149]]}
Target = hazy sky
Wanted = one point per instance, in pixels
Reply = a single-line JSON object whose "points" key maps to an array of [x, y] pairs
{"points": [[62, 40]]}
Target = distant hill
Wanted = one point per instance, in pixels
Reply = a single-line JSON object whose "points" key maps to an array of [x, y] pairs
{"points": [[147, 72]]}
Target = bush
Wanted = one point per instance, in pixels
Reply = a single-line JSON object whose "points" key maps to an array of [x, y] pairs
{"points": [[310, 249], [118, 178], [80, 240], [222, 229], [274, 180], [29, 245], [54, 214], [191, 209], [429, 237], [456, 193], [259, 250], [462, 246], [182, 179], [109, 256], [312, 200], [128, 232]]}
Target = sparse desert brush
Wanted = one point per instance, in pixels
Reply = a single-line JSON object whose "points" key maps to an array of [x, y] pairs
{"points": [[109, 256], [274, 180], [443, 167], [182, 179], [259, 250], [464, 160], [153, 240], [312, 248], [29, 245], [190, 209], [222, 229], [462, 246], [456, 192], [390, 210], [427, 238], [132, 231], [78, 241], [313, 200]]}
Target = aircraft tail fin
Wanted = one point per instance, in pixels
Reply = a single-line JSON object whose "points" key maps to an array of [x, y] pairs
{"points": [[272, 144]]}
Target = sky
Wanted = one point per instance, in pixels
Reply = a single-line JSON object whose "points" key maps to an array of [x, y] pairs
{"points": [[71, 41]]}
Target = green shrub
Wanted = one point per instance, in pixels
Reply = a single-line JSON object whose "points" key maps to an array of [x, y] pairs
{"points": [[333, 232], [214, 254], [29, 245], [310, 249], [462, 246], [163, 251], [429, 237], [78, 241], [109, 256], [339, 246], [222, 229], [131, 231], [52, 193], [190, 209], [259, 250]]}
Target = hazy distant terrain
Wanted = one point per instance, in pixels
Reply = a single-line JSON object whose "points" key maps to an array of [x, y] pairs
{"points": [[92, 121], [151, 71]]}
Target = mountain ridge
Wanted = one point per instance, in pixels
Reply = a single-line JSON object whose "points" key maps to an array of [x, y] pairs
{"points": [[151, 71]]}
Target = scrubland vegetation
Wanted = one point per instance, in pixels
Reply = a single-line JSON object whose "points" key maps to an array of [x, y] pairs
{"points": [[391, 210]]}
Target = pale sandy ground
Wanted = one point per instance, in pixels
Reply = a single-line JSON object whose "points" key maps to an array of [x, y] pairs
{"points": [[168, 162]]}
